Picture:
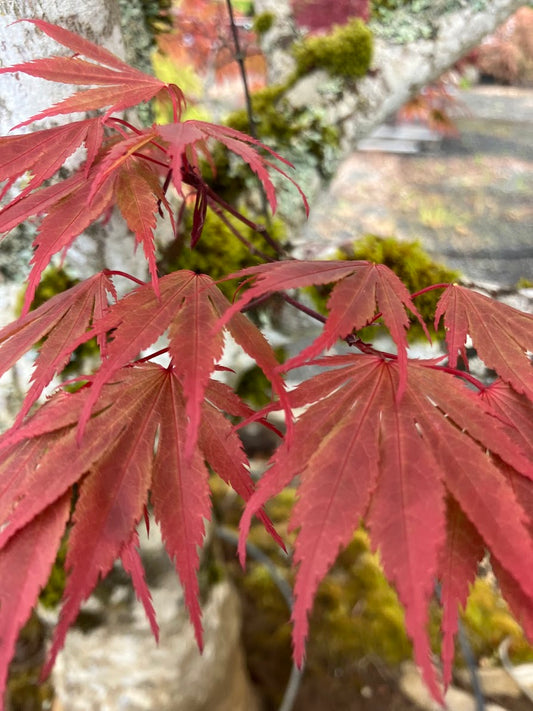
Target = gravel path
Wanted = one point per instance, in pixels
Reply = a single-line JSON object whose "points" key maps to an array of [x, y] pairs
{"points": [[469, 201]]}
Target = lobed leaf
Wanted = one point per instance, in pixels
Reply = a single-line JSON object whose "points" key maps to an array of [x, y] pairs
{"points": [[361, 289], [62, 321], [501, 334], [398, 464], [111, 499], [122, 85]]}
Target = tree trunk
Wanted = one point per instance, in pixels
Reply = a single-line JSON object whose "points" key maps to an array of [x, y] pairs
{"points": [[22, 96], [413, 55]]}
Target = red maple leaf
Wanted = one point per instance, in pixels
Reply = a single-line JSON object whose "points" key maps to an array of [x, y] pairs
{"points": [[44, 152], [62, 321], [501, 335], [394, 464], [136, 441], [362, 288], [120, 86]]}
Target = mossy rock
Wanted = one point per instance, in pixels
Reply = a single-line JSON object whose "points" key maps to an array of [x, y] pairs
{"points": [[344, 52], [411, 264]]}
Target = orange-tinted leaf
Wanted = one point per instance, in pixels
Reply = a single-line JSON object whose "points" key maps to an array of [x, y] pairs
{"points": [[500, 334], [137, 194], [111, 499], [65, 220]]}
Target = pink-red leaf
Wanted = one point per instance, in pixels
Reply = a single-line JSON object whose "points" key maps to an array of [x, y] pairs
{"points": [[62, 320], [180, 497], [500, 334], [42, 152], [195, 356], [458, 563], [122, 85], [190, 136], [362, 288], [25, 564], [132, 564], [395, 463]]}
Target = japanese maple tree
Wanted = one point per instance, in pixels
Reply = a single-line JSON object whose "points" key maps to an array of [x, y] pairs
{"points": [[438, 465]]}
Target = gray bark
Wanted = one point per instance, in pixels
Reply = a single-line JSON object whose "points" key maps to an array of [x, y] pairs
{"points": [[22, 96], [413, 55]]}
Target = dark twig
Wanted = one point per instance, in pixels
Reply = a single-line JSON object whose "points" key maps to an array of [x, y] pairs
{"points": [[240, 57], [293, 685]]}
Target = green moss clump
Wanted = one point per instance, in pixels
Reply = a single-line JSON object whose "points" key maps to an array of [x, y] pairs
{"points": [[345, 52], [524, 283], [278, 123], [263, 22], [356, 612], [410, 263], [488, 621], [219, 252]]}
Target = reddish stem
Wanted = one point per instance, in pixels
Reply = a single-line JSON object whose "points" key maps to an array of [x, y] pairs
{"points": [[429, 288], [116, 272], [152, 355], [461, 374]]}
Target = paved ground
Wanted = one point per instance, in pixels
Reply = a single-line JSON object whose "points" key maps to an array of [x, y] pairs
{"points": [[469, 202]]}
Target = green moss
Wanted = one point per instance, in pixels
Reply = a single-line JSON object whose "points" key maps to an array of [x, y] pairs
{"points": [[254, 387], [263, 22], [524, 283], [345, 52], [410, 263], [284, 127], [219, 252], [488, 622], [52, 592]]}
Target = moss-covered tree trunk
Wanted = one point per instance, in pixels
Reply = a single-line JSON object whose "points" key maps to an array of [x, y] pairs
{"points": [[410, 49]]}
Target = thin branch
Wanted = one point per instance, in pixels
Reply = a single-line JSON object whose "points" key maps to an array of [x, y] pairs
{"points": [[240, 57], [251, 248], [116, 272]]}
